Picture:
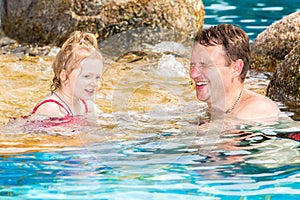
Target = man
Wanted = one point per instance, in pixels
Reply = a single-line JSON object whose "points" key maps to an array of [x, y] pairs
{"points": [[219, 64]]}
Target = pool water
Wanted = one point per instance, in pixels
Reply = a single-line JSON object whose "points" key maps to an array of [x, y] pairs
{"points": [[254, 162], [153, 140], [253, 16]]}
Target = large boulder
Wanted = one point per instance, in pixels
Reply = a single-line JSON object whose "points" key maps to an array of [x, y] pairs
{"points": [[272, 45], [285, 83], [51, 22]]}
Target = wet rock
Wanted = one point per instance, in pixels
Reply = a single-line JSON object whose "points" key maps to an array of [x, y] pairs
{"points": [[4, 41], [272, 45], [171, 47], [10, 46], [285, 83], [51, 22]]}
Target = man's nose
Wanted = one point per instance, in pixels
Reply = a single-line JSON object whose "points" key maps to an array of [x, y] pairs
{"points": [[194, 72]]}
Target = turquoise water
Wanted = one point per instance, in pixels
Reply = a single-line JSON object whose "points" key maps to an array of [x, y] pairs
{"points": [[255, 163], [253, 16], [167, 155]]}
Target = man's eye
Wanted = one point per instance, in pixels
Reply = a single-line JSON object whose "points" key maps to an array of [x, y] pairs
{"points": [[199, 64], [202, 64]]}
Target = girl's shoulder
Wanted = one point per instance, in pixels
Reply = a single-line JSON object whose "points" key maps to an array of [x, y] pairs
{"points": [[50, 106]]}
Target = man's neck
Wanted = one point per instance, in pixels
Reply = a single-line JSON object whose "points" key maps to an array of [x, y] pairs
{"points": [[228, 101]]}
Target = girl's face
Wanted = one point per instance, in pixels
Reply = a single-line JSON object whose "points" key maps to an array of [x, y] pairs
{"points": [[85, 80]]}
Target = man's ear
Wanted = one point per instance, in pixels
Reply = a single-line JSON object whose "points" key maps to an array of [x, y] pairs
{"points": [[238, 67]]}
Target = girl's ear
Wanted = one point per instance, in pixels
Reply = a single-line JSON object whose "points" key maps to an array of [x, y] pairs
{"points": [[63, 76], [238, 67]]}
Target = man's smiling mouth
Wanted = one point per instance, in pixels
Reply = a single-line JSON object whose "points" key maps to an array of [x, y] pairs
{"points": [[201, 83]]}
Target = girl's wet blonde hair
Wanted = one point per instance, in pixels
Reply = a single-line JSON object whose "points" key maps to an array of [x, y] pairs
{"points": [[76, 48]]}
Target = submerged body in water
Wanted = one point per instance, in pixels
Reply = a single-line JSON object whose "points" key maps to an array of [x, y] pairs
{"points": [[159, 155]]}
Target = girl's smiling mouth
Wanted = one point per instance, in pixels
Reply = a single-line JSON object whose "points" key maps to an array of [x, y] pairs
{"points": [[90, 91]]}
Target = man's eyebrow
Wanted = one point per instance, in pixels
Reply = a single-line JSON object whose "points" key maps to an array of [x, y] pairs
{"points": [[194, 63]]}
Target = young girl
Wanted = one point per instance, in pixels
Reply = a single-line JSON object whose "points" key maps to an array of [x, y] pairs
{"points": [[77, 72]]}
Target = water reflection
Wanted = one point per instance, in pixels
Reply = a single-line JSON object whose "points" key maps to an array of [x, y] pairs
{"points": [[253, 16]]}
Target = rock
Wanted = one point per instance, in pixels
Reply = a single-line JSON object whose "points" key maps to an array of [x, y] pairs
{"points": [[272, 45], [278, 49], [51, 22], [4, 41], [285, 83]]}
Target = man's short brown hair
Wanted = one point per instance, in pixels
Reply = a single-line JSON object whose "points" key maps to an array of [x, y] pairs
{"points": [[234, 40]]}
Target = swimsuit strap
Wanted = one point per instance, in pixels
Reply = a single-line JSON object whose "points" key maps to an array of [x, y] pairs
{"points": [[52, 92], [85, 105], [47, 101]]}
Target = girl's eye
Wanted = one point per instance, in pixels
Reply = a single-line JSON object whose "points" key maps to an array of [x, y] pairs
{"points": [[98, 77], [86, 76]]}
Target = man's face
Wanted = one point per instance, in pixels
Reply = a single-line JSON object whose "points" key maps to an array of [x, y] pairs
{"points": [[211, 75]]}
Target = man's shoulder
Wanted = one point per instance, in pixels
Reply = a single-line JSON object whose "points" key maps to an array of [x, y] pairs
{"points": [[259, 100], [259, 106]]}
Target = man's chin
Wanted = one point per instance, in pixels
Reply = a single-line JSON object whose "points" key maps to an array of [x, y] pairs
{"points": [[203, 98], [203, 95]]}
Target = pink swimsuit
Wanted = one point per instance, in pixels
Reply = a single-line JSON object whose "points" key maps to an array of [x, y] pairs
{"points": [[60, 105], [68, 121]]}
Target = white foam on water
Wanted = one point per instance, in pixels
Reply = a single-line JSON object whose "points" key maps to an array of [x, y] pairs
{"points": [[168, 66]]}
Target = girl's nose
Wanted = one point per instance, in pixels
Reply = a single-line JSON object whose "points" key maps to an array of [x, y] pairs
{"points": [[97, 83], [94, 82]]}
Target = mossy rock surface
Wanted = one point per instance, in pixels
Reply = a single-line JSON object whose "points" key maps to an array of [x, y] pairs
{"points": [[272, 45], [46, 22], [285, 83]]}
